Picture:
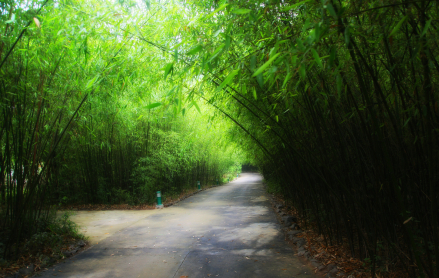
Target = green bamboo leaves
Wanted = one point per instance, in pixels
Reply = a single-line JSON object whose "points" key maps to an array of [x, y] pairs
{"points": [[92, 82], [194, 103], [241, 11], [317, 58], [294, 6], [168, 68], [195, 50], [339, 84], [427, 25], [222, 7], [331, 10], [265, 65], [398, 26], [153, 105], [228, 80], [12, 20]]}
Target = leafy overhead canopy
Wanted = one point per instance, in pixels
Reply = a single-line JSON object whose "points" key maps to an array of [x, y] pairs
{"points": [[333, 100]]}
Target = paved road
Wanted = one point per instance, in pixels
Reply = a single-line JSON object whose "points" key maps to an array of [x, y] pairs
{"points": [[227, 231]]}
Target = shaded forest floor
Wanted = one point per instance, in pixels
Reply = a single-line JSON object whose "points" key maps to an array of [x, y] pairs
{"points": [[39, 253], [338, 255]]}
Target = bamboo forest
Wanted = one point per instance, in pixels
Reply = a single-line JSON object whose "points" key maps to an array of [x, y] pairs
{"points": [[334, 101]]}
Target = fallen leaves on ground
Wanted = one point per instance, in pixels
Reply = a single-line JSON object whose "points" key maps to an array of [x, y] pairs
{"points": [[27, 258], [338, 255]]}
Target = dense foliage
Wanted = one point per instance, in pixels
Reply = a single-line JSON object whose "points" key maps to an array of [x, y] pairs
{"points": [[335, 101], [87, 117], [340, 97]]}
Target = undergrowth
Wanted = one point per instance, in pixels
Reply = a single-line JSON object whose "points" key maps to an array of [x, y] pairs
{"points": [[44, 247]]}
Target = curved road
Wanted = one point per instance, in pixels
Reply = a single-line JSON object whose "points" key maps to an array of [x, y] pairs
{"points": [[227, 231]]}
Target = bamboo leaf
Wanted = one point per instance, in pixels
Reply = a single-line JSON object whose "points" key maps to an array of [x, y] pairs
{"points": [[294, 6], [302, 71], [153, 105], [241, 11], [264, 66], [286, 79], [195, 50], [347, 35], [217, 33], [317, 58], [217, 51], [398, 26], [407, 221], [196, 106], [172, 91], [12, 20], [331, 11], [427, 25], [169, 67], [91, 82], [228, 79], [339, 84], [222, 7]]}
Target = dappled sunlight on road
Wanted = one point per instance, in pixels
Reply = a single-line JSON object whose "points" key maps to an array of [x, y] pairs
{"points": [[256, 234]]}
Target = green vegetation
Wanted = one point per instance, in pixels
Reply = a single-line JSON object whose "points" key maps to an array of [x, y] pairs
{"points": [[335, 101], [52, 233]]}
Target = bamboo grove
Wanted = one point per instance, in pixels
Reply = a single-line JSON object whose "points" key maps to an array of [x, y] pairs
{"points": [[340, 98], [335, 101], [85, 118]]}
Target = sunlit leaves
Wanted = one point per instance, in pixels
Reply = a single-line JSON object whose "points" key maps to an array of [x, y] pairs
{"points": [[265, 65], [220, 8], [217, 51], [91, 82], [228, 80], [194, 103], [195, 50], [153, 105], [12, 20], [241, 11], [169, 67]]}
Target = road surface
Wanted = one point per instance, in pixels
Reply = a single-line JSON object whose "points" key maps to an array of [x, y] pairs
{"points": [[227, 231]]}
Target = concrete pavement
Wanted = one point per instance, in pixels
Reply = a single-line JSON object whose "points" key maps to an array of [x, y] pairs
{"points": [[227, 231]]}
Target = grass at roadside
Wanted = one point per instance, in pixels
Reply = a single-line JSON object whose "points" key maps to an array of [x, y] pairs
{"points": [[167, 200], [55, 239]]}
